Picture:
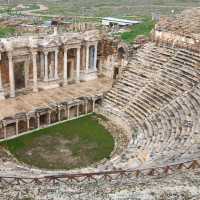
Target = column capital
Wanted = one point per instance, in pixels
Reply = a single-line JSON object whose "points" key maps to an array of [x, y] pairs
{"points": [[10, 54], [34, 52], [56, 51], [46, 52], [66, 49]]}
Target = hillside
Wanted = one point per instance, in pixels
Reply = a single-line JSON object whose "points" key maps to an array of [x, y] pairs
{"points": [[112, 7]]}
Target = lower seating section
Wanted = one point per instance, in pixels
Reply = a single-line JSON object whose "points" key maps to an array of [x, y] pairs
{"points": [[159, 95]]}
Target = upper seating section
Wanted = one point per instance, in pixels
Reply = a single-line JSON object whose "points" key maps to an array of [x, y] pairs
{"points": [[159, 95]]}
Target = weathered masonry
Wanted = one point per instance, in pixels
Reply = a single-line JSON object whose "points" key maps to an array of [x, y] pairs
{"points": [[39, 63], [42, 117], [41, 78]]}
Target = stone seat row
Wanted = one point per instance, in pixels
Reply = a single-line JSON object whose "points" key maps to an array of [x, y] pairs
{"points": [[160, 144], [164, 109]]}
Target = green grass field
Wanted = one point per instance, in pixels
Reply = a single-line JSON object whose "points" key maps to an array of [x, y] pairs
{"points": [[139, 29], [77, 143], [6, 31]]}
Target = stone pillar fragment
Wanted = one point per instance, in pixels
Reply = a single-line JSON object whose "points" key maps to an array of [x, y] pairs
{"points": [[87, 58], [41, 65], [11, 75], [77, 111], [17, 127], [95, 57], [35, 81], [56, 65], [46, 71], [49, 117], [93, 105], [78, 65], [38, 120], [86, 107], [65, 67], [28, 122], [2, 95]]}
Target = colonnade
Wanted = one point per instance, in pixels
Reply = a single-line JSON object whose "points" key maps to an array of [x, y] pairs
{"points": [[55, 76], [63, 112]]}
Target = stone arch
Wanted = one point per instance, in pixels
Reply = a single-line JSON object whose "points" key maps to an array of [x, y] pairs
{"points": [[44, 119], [122, 51], [62, 114], [81, 108], [32, 123], [98, 101], [89, 105], [72, 111], [22, 126], [54, 116], [11, 129]]}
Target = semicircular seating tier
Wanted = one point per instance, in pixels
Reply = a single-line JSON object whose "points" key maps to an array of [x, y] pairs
{"points": [[158, 95]]}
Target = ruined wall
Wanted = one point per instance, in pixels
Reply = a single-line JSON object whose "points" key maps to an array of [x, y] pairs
{"points": [[113, 54], [181, 30], [176, 40], [108, 56]]}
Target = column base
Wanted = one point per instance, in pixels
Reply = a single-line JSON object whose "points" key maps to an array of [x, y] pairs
{"points": [[65, 83], [56, 78], [12, 95], [88, 75], [35, 90]]}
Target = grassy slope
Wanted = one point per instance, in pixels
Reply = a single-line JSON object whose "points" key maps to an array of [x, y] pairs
{"points": [[89, 143], [139, 29], [116, 7], [6, 31]]}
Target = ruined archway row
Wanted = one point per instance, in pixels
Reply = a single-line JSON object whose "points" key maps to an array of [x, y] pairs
{"points": [[23, 123]]}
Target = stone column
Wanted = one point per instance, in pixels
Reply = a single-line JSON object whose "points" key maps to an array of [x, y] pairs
{"points": [[11, 75], [35, 81], [28, 122], [56, 65], [49, 117], [2, 95], [93, 105], [4, 130], [17, 127], [86, 107], [68, 112], [41, 65], [26, 69], [95, 57], [59, 114], [87, 58], [65, 67], [78, 65], [38, 120], [46, 71], [77, 111]]}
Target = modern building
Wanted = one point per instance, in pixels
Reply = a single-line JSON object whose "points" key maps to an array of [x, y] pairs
{"points": [[110, 21]]}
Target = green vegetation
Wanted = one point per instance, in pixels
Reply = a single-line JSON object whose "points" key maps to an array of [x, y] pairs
{"points": [[72, 144], [32, 7], [140, 29], [117, 8], [6, 31]]}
